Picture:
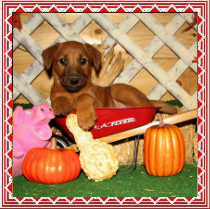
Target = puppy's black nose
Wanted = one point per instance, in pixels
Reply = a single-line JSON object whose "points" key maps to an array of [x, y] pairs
{"points": [[74, 80]]}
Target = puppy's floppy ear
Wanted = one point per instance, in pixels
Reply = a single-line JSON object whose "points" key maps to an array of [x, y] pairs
{"points": [[95, 56], [48, 55]]}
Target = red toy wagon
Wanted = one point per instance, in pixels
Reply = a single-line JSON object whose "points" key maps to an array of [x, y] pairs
{"points": [[114, 120]]}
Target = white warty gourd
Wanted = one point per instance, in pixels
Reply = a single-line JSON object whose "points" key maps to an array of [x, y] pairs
{"points": [[98, 159]]}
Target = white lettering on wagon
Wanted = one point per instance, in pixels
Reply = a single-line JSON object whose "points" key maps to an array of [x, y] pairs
{"points": [[115, 123]]}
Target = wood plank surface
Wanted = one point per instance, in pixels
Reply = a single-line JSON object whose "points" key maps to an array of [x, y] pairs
{"points": [[94, 33]]}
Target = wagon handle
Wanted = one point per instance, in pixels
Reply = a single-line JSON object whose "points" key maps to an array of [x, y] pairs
{"points": [[178, 118]]}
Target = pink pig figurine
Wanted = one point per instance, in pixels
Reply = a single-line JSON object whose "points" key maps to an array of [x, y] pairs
{"points": [[30, 129]]}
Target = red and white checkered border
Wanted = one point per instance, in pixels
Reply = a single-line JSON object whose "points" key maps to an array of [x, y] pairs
{"points": [[200, 7]]}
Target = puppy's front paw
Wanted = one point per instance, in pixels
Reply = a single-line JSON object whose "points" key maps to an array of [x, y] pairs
{"points": [[62, 107], [86, 121]]}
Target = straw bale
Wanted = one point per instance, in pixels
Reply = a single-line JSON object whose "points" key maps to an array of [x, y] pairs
{"points": [[195, 148], [125, 148], [189, 134]]}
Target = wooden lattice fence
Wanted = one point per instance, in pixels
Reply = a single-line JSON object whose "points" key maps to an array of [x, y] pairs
{"points": [[142, 58]]}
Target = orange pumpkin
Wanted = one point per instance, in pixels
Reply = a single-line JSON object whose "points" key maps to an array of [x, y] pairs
{"points": [[50, 166], [164, 150]]}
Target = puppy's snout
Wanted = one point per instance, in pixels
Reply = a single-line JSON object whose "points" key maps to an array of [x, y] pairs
{"points": [[74, 80]]}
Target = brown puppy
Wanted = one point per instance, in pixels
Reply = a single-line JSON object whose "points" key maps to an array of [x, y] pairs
{"points": [[71, 64]]}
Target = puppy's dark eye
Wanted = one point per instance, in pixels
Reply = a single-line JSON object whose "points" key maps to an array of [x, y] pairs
{"points": [[83, 61], [63, 61]]}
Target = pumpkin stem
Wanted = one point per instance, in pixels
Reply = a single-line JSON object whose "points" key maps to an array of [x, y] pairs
{"points": [[160, 118], [53, 144]]}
